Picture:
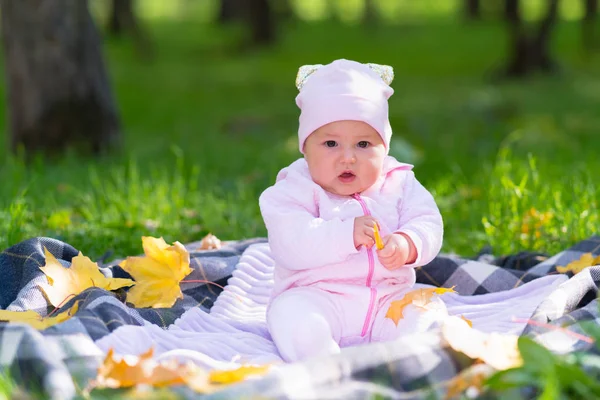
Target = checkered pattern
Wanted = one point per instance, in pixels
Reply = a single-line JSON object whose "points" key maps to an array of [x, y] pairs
{"points": [[407, 368]]}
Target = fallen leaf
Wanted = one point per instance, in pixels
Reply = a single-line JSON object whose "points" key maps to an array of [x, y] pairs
{"points": [[157, 274], [64, 283], [576, 266], [472, 378], [419, 298], [534, 221], [35, 320], [210, 242], [378, 241], [128, 371], [468, 321], [238, 374], [497, 350]]}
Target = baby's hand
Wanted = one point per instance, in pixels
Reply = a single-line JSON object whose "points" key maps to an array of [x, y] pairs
{"points": [[364, 235], [398, 250]]}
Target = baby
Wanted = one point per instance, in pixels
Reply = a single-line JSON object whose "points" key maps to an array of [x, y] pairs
{"points": [[332, 287]]}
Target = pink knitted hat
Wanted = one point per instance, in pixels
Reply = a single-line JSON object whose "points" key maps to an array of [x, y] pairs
{"points": [[344, 90]]}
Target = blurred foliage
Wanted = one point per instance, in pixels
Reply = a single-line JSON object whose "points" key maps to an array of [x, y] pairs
{"points": [[208, 125]]}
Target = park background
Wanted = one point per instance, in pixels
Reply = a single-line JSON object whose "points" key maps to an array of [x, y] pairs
{"points": [[203, 93]]}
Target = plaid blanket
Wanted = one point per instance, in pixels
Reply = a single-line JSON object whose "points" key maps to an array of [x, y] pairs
{"points": [[60, 359]]}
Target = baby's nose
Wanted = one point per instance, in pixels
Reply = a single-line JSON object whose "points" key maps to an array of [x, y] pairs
{"points": [[349, 156]]}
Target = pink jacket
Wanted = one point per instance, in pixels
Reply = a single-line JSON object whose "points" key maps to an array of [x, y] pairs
{"points": [[310, 231]]}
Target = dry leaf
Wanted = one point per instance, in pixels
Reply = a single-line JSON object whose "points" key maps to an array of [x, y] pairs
{"points": [[130, 371], [419, 298], [378, 241], [534, 221], [36, 320], [468, 321], [238, 374], [471, 378], [576, 266], [210, 242], [495, 349], [66, 282], [157, 275]]}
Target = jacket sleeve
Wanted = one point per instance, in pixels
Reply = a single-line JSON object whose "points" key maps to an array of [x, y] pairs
{"points": [[420, 219], [298, 238]]}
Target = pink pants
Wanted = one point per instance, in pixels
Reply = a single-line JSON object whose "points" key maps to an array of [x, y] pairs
{"points": [[309, 321]]}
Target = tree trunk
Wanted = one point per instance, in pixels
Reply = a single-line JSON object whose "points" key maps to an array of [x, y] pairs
{"points": [[531, 53], [59, 95], [370, 13], [230, 10], [114, 21], [123, 19], [284, 10], [589, 25], [262, 23], [473, 9], [591, 9], [332, 10], [511, 11]]}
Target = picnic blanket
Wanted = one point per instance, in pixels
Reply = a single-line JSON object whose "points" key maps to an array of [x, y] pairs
{"points": [[62, 358]]}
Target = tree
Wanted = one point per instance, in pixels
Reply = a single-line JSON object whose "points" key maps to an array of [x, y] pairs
{"points": [[261, 22], [473, 9], [370, 13], [530, 50], [284, 10], [58, 90], [123, 20], [231, 10], [590, 25], [511, 10]]}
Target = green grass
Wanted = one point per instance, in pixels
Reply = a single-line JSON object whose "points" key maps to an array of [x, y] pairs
{"points": [[207, 128], [6, 387]]}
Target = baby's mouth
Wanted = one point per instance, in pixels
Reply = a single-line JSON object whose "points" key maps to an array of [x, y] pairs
{"points": [[347, 176]]}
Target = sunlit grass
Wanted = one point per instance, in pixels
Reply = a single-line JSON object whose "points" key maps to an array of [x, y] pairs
{"points": [[398, 11], [207, 129]]}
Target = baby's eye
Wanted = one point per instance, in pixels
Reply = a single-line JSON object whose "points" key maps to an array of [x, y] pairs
{"points": [[330, 143], [363, 144]]}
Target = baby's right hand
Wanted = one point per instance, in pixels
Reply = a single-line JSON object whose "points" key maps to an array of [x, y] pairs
{"points": [[364, 234]]}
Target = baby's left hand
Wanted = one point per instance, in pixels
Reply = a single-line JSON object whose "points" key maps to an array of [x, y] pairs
{"points": [[398, 250]]}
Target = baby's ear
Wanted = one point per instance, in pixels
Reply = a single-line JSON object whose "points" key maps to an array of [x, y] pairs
{"points": [[384, 71], [304, 72]]}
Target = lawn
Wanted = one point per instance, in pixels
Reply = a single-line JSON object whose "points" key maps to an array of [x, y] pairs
{"points": [[207, 127]]}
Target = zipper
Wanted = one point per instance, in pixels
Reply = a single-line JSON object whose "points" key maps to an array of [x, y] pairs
{"points": [[370, 274]]}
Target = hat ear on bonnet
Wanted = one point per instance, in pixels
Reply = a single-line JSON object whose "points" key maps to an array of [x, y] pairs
{"points": [[344, 90], [385, 72]]}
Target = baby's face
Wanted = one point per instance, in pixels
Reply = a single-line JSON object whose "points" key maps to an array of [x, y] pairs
{"points": [[345, 157]]}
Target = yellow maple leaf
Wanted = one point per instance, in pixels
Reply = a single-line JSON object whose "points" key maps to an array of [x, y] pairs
{"points": [[576, 266], [378, 241], [35, 320], [66, 282], [238, 374], [497, 350], [419, 298], [468, 321], [158, 273], [128, 371]]}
